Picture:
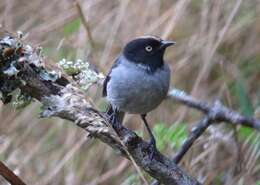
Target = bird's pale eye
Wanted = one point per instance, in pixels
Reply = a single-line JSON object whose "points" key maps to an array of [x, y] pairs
{"points": [[148, 48]]}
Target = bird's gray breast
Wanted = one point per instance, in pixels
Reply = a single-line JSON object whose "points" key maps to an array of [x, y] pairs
{"points": [[134, 90]]}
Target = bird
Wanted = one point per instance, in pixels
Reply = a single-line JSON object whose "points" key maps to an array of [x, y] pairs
{"points": [[138, 81]]}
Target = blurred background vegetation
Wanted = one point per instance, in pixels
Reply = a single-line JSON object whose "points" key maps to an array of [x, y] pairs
{"points": [[217, 56]]}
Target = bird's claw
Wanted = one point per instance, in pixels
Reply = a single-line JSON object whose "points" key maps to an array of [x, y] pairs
{"points": [[114, 121]]}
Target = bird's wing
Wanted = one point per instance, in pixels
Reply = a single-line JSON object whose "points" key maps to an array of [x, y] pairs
{"points": [[104, 92]]}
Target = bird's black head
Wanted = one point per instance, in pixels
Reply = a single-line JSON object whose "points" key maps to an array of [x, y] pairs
{"points": [[147, 50]]}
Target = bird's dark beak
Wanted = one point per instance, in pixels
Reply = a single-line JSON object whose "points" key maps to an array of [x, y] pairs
{"points": [[166, 43]]}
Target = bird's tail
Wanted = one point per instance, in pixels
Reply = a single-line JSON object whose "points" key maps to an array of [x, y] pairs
{"points": [[120, 115]]}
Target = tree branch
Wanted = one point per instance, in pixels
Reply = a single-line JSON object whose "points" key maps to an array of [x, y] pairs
{"points": [[216, 112], [212, 114], [9, 175], [22, 67]]}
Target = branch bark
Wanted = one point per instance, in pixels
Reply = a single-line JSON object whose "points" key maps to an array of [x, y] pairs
{"points": [[21, 66], [9, 175], [217, 112]]}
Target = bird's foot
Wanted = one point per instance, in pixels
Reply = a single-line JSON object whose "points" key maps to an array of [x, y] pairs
{"points": [[114, 121], [152, 148]]}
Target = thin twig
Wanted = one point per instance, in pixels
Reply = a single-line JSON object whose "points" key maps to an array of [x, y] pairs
{"points": [[217, 111], [92, 44], [196, 132], [9, 175], [85, 24]]}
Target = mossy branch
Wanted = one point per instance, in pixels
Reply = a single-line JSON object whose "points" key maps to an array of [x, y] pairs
{"points": [[22, 67]]}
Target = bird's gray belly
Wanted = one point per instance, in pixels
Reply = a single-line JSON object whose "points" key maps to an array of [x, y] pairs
{"points": [[137, 93]]}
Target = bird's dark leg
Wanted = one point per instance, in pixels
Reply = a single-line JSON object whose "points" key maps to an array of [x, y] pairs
{"points": [[152, 142]]}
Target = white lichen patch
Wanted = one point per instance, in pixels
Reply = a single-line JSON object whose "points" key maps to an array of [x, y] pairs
{"points": [[34, 57], [68, 66], [177, 92], [8, 41], [11, 71], [82, 72], [20, 34], [50, 75], [64, 103]]}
